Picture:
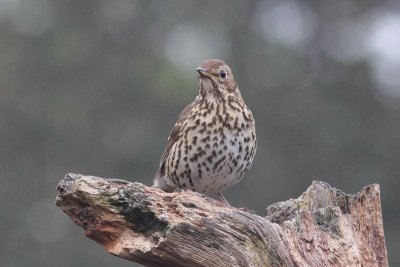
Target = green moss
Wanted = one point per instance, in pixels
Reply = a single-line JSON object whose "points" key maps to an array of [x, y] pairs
{"points": [[343, 201], [327, 220], [134, 206], [144, 221]]}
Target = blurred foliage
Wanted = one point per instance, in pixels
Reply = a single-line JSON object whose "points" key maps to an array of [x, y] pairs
{"points": [[94, 87]]}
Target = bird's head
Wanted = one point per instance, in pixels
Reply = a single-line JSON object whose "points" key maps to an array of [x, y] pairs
{"points": [[216, 78]]}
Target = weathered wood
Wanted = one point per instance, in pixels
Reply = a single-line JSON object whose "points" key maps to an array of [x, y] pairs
{"points": [[323, 227]]}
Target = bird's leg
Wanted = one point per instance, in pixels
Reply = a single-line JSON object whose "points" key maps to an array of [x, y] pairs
{"points": [[222, 198], [218, 196]]}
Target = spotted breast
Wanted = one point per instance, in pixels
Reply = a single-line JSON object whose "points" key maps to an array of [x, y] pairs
{"points": [[213, 142]]}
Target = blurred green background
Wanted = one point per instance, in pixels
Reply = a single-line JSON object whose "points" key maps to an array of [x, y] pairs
{"points": [[94, 87]]}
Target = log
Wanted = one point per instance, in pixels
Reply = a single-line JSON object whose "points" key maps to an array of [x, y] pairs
{"points": [[322, 227]]}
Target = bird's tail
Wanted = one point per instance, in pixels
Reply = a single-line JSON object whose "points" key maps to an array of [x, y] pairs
{"points": [[161, 181]]}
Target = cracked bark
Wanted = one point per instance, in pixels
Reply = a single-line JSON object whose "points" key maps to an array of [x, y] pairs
{"points": [[322, 227]]}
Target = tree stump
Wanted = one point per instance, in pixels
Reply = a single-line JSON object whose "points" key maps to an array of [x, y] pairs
{"points": [[322, 227]]}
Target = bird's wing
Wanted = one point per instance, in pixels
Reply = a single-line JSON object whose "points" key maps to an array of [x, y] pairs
{"points": [[174, 136]]}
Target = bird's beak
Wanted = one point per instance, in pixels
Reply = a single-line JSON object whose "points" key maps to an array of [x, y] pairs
{"points": [[202, 72]]}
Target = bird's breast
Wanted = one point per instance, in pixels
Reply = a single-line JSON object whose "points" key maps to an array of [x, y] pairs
{"points": [[216, 147]]}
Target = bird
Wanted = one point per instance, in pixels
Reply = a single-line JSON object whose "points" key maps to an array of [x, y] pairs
{"points": [[213, 143]]}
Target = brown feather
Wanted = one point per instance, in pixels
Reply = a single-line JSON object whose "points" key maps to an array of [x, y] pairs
{"points": [[173, 137]]}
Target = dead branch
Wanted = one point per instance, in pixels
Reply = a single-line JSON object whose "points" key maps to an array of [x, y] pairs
{"points": [[323, 227]]}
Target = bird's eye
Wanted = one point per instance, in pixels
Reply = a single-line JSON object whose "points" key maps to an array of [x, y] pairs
{"points": [[223, 73]]}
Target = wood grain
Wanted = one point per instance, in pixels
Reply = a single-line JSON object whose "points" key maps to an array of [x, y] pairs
{"points": [[323, 227]]}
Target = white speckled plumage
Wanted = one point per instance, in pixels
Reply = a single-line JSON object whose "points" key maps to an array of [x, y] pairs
{"points": [[213, 142]]}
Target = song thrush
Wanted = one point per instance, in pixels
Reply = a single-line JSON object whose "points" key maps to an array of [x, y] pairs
{"points": [[213, 143]]}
